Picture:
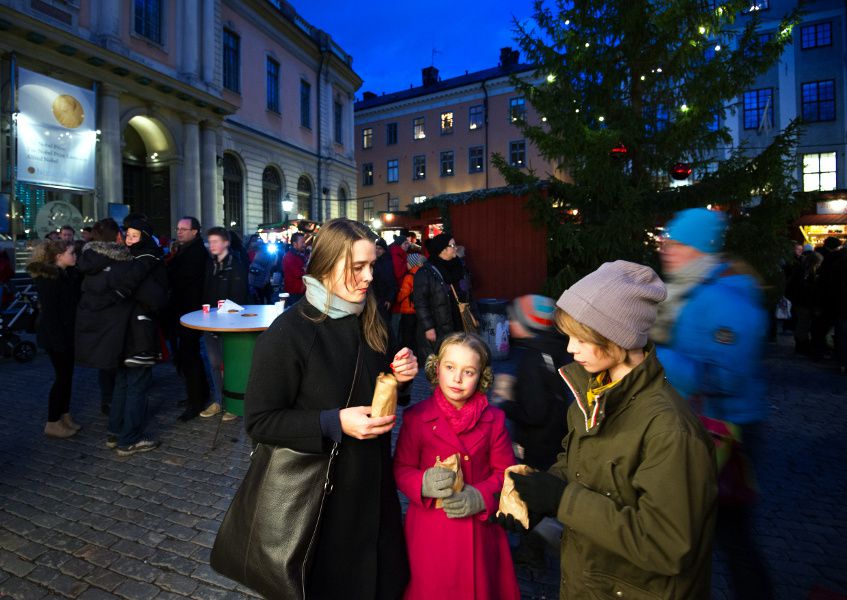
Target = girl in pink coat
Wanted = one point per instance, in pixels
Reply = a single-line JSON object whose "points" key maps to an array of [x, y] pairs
{"points": [[453, 551]]}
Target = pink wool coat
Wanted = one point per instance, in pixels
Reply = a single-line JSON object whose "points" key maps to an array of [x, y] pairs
{"points": [[455, 558]]}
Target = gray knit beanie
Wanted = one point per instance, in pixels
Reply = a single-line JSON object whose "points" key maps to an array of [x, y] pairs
{"points": [[618, 301]]}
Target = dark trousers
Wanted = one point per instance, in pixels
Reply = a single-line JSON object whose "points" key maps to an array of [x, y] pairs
{"points": [[128, 415], [734, 536], [190, 366], [59, 400], [106, 381], [407, 331]]}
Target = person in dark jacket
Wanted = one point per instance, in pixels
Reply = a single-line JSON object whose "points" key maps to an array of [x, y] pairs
{"points": [[384, 284], [186, 272], [801, 290], [438, 283], [226, 279], [57, 283], [302, 371]]}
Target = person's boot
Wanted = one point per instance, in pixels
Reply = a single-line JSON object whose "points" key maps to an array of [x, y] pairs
{"points": [[69, 422], [57, 429]]}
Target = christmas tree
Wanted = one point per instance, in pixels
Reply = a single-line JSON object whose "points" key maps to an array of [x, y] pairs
{"points": [[631, 92]]}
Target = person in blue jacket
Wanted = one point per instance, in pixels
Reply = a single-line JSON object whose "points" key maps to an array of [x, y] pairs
{"points": [[710, 335]]}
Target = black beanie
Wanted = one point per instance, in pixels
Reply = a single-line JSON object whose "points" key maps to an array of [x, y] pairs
{"points": [[141, 225], [438, 243]]}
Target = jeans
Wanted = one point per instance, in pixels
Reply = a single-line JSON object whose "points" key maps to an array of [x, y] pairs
{"points": [[106, 382], [128, 414], [214, 350], [60, 393]]}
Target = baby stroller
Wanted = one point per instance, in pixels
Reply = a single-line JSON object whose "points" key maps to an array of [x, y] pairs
{"points": [[19, 315]]}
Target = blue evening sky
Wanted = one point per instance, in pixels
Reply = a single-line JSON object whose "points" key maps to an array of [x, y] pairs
{"points": [[392, 40]]}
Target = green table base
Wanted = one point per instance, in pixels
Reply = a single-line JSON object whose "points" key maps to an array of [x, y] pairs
{"points": [[238, 356]]}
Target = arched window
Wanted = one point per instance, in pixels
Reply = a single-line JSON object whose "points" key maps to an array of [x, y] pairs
{"points": [[271, 196], [304, 197], [233, 193], [342, 202]]}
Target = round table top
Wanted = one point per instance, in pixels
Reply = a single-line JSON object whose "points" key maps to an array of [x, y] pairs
{"points": [[254, 317]]}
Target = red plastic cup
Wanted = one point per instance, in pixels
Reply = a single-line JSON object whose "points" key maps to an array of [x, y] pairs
{"points": [[206, 308]]}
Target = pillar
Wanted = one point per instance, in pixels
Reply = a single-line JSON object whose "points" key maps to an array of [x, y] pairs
{"points": [[190, 39], [190, 201], [111, 168], [209, 174], [210, 30]]}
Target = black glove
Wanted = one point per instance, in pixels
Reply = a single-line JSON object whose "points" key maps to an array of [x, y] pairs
{"points": [[541, 491], [507, 522]]}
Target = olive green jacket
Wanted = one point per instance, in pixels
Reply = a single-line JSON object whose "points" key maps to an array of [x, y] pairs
{"points": [[639, 509]]}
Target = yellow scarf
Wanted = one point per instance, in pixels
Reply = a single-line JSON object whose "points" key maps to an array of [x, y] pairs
{"points": [[597, 386]]}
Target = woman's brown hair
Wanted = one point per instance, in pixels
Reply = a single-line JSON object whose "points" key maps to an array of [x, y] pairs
{"points": [[43, 258], [472, 341], [334, 244]]}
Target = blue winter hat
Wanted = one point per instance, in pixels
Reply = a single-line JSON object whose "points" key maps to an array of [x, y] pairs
{"points": [[700, 228]]}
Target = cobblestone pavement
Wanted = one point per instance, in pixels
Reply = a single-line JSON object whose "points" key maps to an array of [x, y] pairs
{"points": [[78, 521]]}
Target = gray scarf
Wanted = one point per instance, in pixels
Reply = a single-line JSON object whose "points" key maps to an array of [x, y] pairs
{"points": [[330, 304], [679, 285]]}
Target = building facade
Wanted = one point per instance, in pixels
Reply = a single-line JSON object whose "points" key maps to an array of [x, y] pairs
{"points": [[438, 137], [219, 109]]}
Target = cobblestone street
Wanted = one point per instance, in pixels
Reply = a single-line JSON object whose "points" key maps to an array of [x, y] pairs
{"points": [[78, 521]]}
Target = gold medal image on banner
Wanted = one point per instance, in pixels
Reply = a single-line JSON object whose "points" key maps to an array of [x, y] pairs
{"points": [[68, 111]]}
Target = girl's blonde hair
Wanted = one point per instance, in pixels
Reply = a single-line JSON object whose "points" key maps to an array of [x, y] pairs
{"points": [[472, 341], [573, 328], [334, 244]]}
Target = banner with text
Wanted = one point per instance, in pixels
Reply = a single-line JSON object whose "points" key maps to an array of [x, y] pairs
{"points": [[57, 132]]}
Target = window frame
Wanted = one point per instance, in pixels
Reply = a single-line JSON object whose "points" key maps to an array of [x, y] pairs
{"points": [[517, 109], [367, 174], [234, 54], [447, 157], [817, 102], [819, 173], [471, 158], [512, 149], [815, 28], [759, 111], [338, 122], [392, 169], [305, 104], [160, 26], [419, 128], [418, 161], [367, 138], [450, 122], [272, 100], [390, 134], [367, 209], [476, 118]]}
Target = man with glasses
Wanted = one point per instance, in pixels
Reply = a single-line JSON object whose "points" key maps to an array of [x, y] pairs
{"points": [[186, 274]]}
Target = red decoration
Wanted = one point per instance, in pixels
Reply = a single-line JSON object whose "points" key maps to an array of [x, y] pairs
{"points": [[619, 151], [681, 171]]}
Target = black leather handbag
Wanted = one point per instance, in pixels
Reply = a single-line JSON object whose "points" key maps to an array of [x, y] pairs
{"points": [[268, 535]]}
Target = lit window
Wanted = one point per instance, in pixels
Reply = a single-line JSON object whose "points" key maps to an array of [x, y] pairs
{"points": [[393, 173], [815, 36], [393, 204], [368, 209], [476, 117], [391, 134], [476, 159], [232, 61], [367, 137], [758, 108], [446, 123], [517, 153], [418, 125], [517, 110], [272, 76], [447, 163], [819, 172], [368, 174], [818, 99], [757, 5], [418, 199], [419, 167], [148, 19]]}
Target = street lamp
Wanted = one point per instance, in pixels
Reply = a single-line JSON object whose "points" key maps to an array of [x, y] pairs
{"points": [[287, 205]]}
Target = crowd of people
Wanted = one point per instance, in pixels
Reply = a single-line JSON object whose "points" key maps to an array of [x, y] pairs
{"points": [[637, 404]]}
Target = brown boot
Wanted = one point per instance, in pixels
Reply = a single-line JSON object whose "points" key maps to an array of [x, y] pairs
{"points": [[57, 429], [68, 422]]}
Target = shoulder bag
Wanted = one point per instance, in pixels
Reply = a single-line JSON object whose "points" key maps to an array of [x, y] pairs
{"points": [[469, 322], [268, 535]]}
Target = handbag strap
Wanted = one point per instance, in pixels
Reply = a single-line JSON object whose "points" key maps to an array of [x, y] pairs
{"points": [[455, 295]]}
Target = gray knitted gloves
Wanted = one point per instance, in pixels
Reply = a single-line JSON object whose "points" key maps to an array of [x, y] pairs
{"points": [[464, 504], [437, 482]]}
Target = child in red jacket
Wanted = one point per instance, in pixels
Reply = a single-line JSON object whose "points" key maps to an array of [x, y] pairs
{"points": [[455, 552]]}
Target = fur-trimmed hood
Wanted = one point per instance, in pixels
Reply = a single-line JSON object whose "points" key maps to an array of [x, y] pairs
{"points": [[97, 256], [45, 270], [111, 250]]}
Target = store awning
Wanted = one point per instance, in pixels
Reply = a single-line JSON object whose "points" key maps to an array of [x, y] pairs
{"points": [[822, 220]]}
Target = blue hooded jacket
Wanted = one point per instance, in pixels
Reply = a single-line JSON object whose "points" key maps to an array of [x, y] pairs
{"points": [[715, 351]]}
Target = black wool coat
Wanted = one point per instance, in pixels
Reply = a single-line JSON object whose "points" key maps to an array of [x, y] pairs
{"points": [[58, 296], [186, 275], [227, 281], [301, 367]]}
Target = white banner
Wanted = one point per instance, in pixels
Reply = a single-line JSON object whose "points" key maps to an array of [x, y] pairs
{"points": [[57, 132]]}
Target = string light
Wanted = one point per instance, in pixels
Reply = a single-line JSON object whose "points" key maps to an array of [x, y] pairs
{"points": [[684, 108], [587, 44], [702, 30], [601, 118], [717, 48]]}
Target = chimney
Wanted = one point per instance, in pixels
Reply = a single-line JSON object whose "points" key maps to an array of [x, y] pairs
{"points": [[368, 96], [429, 76], [509, 57]]}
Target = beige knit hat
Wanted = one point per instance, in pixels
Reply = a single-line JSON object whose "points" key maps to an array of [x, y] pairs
{"points": [[618, 301]]}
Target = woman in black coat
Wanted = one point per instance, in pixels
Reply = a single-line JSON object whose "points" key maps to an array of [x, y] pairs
{"points": [[57, 281], [436, 307], [302, 371]]}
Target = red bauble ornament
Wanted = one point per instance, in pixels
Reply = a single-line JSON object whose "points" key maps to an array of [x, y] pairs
{"points": [[681, 171], [619, 151]]}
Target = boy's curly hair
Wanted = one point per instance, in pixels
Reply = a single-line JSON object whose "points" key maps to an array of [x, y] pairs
{"points": [[472, 341]]}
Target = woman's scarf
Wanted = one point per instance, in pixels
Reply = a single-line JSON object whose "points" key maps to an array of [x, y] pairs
{"points": [[679, 286], [330, 304], [465, 418], [451, 271]]}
